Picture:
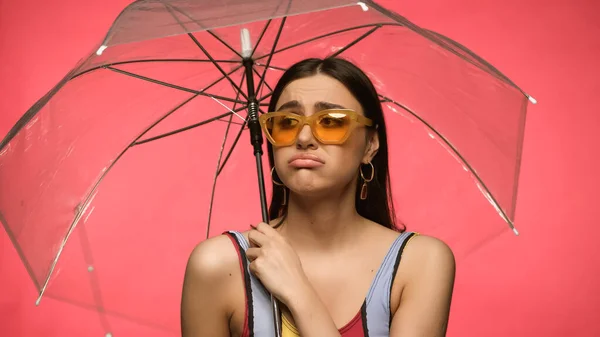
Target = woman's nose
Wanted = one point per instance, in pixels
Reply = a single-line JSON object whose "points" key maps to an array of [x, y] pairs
{"points": [[306, 138]]}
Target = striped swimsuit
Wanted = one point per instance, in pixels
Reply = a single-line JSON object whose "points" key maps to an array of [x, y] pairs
{"points": [[372, 320]]}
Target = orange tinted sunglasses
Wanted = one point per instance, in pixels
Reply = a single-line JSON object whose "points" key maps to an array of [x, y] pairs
{"points": [[331, 126]]}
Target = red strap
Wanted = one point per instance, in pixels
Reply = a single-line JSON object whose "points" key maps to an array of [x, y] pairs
{"points": [[246, 330]]}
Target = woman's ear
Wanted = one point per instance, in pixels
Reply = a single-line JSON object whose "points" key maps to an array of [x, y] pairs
{"points": [[371, 148]]}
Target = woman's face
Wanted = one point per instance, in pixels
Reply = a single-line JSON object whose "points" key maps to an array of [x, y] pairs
{"points": [[331, 167]]}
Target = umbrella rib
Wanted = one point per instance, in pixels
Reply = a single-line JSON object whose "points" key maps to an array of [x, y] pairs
{"points": [[440, 39], [208, 30], [214, 186], [186, 128], [267, 26], [265, 82], [87, 253], [360, 38], [34, 109], [243, 128], [265, 96], [171, 7], [262, 34], [237, 138], [185, 102], [238, 88], [28, 116], [481, 61], [20, 251], [170, 85], [232, 122], [271, 66], [217, 65], [90, 194], [149, 61], [326, 35], [262, 78], [224, 43], [464, 161]]}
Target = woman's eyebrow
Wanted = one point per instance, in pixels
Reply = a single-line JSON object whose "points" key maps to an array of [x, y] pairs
{"points": [[327, 105], [291, 105]]}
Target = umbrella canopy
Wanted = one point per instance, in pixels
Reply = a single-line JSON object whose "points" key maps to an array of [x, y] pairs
{"points": [[142, 150]]}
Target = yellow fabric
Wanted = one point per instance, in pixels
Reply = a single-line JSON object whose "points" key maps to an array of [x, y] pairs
{"points": [[287, 328]]}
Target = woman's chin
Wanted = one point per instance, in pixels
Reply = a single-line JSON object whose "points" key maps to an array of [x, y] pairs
{"points": [[306, 187], [311, 188]]}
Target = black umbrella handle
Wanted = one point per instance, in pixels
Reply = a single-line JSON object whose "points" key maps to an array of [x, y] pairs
{"points": [[256, 139]]}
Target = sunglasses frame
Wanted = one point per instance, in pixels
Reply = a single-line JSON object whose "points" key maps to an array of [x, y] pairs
{"points": [[356, 119]]}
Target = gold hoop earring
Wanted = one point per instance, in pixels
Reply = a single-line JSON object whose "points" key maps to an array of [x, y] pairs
{"points": [[364, 188], [284, 202], [273, 178]]}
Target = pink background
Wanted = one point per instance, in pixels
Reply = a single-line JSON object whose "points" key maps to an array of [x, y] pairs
{"points": [[544, 283]]}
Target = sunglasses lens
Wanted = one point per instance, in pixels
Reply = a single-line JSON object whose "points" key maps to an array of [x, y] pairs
{"points": [[283, 129], [333, 126]]}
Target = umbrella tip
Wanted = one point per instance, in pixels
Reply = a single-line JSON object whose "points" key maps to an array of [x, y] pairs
{"points": [[363, 6], [515, 231], [532, 100], [246, 43], [101, 50]]}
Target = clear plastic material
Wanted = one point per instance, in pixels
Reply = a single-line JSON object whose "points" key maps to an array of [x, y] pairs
{"points": [[109, 181]]}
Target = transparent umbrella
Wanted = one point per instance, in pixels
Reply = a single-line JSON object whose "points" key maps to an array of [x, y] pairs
{"points": [[145, 148]]}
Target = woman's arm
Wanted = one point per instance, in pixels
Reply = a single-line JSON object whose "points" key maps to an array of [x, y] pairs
{"points": [[429, 268], [311, 317], [205, 300]]}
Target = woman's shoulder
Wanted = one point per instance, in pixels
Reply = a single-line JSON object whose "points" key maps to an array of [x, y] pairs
{"points": [[421, 248], [430, 249], [213, 258], [426, 258], [212, 287]]}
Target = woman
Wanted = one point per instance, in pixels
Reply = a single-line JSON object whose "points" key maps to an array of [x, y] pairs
{"points": [[333, 256]]}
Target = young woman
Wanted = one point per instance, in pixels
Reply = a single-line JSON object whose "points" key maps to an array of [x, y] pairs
{"points": [[332, 256]]}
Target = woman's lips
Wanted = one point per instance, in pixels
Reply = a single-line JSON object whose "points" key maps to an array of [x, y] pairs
{"points": [[305, 160]]}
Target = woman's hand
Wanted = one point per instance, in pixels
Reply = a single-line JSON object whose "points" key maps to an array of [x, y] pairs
{"points": [[278, 267], [276, 264]]}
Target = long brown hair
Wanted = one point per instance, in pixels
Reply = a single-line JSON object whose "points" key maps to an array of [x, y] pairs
{"points": [[378, 206]]}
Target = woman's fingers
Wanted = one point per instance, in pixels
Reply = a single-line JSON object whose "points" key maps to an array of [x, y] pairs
{"points": [[252, 253], [266, 229], [257, 238], [254, 269]]}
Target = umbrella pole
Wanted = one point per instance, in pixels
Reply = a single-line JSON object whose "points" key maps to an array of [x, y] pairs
{"points": [[256, 139]]}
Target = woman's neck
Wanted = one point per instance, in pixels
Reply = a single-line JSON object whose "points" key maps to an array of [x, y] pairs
{"points": [[322, 223]]}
